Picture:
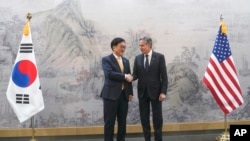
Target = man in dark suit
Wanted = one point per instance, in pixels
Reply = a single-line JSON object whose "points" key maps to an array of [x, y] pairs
{"points": [[150, 70], [117, 91]]}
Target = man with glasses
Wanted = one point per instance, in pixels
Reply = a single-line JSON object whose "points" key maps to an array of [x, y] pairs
{"points": [[150, 70], [117, 91]]}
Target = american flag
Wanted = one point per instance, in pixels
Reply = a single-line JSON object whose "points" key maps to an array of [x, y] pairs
{"points": [[221, 76]]}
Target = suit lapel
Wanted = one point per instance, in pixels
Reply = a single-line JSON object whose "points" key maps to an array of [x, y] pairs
{"points": [[152, 60], [142, 62], [124, 64]]}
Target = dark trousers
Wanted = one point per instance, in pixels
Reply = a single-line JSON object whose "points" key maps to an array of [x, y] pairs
{"points": [[144, 106], [112, 109]]}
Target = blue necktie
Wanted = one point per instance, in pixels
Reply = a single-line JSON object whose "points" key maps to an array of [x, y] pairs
{"points": [[146, 63]]}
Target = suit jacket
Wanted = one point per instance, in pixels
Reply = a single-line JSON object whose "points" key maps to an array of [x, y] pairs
{"points": [[114, 78], [155, 80]]}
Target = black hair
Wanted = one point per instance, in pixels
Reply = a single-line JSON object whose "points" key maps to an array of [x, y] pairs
{"points": [[116, 41]]}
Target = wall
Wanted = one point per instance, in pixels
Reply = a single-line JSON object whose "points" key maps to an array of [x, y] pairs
{"points": [[71, 36]]}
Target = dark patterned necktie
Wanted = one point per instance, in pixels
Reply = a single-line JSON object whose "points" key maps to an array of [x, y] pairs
{"points": [[146, 63]]}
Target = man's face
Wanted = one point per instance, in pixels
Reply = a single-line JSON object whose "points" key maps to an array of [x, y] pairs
{"points": [[144, 47], [119, 48]]}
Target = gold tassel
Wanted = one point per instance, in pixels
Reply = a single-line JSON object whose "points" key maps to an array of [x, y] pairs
{"points": [[223, 28], [26, 29]]}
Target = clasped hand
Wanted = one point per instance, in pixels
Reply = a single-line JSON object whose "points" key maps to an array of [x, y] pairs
{"points": [[128, 77]]}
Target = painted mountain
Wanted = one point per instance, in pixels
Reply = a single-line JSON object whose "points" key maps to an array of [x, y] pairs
{"points": [[69, 46], [68, 58], [67, 40]]}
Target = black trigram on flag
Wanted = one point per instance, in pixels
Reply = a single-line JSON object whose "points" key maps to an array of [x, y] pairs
{"points": [[22, 98], [26, 48]]}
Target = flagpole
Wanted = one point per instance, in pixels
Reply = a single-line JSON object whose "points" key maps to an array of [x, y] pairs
{"points": [[29, 16], [225, 122], [221, 18], [33, 129], [225, 136]]}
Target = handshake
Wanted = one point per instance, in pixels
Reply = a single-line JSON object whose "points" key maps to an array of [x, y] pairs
{"points": [[128, 77]]}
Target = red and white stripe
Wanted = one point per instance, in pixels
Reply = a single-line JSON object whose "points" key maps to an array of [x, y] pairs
{"points": [[221, 79]]}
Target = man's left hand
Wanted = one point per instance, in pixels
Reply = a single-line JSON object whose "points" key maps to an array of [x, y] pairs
{"points": [[162, 97]]}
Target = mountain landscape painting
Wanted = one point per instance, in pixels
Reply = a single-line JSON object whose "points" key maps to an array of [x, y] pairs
{"points": [[70, 38]]}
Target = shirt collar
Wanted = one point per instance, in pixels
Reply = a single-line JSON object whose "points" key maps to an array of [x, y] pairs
{"points": [[150, 53], [116, 57]]}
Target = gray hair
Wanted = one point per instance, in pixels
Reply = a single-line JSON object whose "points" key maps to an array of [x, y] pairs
{"points": [[147, 39]]}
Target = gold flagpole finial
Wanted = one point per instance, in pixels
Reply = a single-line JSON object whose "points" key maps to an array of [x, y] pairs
{"points": [[29, 16], [223, 25], [26, 29]]}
